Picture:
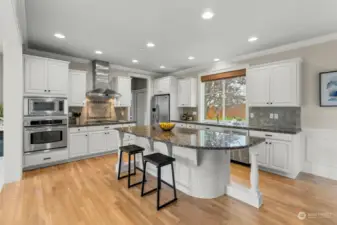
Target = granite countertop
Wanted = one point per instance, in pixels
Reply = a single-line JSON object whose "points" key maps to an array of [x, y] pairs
{"points": [[102, 123], [193, 138], [273, 129]]}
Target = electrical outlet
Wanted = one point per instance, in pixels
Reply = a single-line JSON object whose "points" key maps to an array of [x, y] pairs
{"points": [[251, 115], [275, 116], [271, 116], [194, 113]]}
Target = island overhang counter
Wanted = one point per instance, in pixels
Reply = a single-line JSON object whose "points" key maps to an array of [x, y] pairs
{"points": [[202, 163]]}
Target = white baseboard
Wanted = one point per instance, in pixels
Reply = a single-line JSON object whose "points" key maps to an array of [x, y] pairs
{"points": [[320, 152]]}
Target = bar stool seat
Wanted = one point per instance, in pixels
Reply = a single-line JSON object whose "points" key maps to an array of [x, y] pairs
{"points": [[159, 160], [130, 150]]}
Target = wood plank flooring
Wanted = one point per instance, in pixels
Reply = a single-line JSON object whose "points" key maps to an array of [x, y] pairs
{"points": [[87, 193]]}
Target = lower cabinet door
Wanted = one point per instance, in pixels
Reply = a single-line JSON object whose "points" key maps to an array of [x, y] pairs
{"points": [[97, 142], [280, 155], [112, 139], [263, 154], [78, 144]]}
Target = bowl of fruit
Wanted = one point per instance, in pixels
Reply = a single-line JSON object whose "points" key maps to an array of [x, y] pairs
{"points": [[166, 126]]}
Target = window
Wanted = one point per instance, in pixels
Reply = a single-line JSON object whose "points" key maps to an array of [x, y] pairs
{"points": [[226, 98]]}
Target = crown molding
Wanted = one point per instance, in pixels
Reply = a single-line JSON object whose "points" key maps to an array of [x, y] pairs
{"points": [[288, 47], [52, 55]]}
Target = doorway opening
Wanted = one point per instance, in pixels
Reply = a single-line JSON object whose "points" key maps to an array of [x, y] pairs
{"points": [[139, 99]]}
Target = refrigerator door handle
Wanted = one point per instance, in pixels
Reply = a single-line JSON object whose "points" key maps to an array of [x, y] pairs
{"points": [[158, 113]]}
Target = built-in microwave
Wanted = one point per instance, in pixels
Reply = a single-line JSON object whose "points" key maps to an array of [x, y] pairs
{"points": [[41, 106]]}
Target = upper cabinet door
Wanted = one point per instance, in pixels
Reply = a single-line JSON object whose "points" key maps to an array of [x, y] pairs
{"points": [[258, 86], [124, 88], [35, 75], [57, 77], [162, 86], [283, 85], [77, 88], [184, 92]]}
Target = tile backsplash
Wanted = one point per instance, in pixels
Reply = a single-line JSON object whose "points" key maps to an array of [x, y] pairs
{"points": [[189, 111], [100, 111], [284, 117]]}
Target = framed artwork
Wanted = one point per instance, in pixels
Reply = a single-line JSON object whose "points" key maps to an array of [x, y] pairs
{"points": [[328, 89]]}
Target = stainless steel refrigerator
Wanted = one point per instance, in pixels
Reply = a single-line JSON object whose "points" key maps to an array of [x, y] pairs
{"points": [[160, 108]]}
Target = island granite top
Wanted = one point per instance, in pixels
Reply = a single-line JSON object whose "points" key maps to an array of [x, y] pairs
{"points": [[193, 138], [273, 129]]}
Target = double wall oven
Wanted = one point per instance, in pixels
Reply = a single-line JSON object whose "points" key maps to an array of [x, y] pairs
{"points": [[45, 124]]}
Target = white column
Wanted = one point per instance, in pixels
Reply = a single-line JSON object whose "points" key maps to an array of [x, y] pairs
{"points": [[13, 92], [254, 172]]}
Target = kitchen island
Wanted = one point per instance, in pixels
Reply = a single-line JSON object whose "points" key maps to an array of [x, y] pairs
{"points": [[202, 165]]}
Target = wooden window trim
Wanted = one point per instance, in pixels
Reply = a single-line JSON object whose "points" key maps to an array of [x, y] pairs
{"points": [[224, 75]]}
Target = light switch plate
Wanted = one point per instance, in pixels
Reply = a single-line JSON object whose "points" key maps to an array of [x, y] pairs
{"points": [[194, 113], [275, 116], [271, 116], [251, 115]]}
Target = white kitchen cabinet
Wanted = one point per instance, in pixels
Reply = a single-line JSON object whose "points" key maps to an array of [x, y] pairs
{"points": [[258, 86], [275, 84], [97, 142], [45, 76], [112, 140], [187, 92], [263, 154], [78, 144], [282, 154], [35, 75], [123, 86], [279, 155], [77, 88], [57, 77], [162, 85]]}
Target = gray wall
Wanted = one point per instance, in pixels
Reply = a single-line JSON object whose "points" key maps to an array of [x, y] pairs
{"points": [[316, 59]]}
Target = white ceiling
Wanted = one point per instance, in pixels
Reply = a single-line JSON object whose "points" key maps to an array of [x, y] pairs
{"points": [[121, 29]]}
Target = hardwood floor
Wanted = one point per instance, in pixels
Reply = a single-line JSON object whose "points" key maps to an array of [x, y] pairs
{"points": [[87, 192]]}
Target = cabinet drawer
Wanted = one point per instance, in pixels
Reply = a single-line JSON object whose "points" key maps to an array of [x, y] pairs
{"points": [[181, 125], [78, 129], [45, 157], [102, 128], [270, 135], [191, 126]]}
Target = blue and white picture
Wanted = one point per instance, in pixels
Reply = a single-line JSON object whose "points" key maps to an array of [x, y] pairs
{"points": [[328, 88]]}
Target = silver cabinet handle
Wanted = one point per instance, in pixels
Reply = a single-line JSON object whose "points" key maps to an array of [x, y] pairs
{"points": [[48, 158]]}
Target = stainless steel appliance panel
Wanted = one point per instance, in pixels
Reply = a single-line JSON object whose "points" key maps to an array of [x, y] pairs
{"points": [[160, 109], [45, 133], [40, 106]]}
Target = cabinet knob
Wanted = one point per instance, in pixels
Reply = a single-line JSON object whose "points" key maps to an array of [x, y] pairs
{"points": [[266, 142], [48, 90], [45, 90]]}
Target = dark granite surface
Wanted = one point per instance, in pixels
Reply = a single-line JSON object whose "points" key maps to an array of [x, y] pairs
{"points": [[86, 124], [194, 138], [273, 129]]}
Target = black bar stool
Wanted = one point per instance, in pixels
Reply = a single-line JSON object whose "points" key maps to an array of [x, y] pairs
{"points": [[131, 150], [159, 160]]}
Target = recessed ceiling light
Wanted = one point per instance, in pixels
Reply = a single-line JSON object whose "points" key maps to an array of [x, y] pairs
{"points": [[98, 52], [207, 14], [252, 39], [150, 45], [191, 57], [58, 35], [135, 61], [216, 60], [162, 67]]}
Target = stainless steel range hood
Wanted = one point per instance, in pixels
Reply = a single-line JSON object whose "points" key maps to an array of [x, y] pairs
{"points": [[101, 84]]}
